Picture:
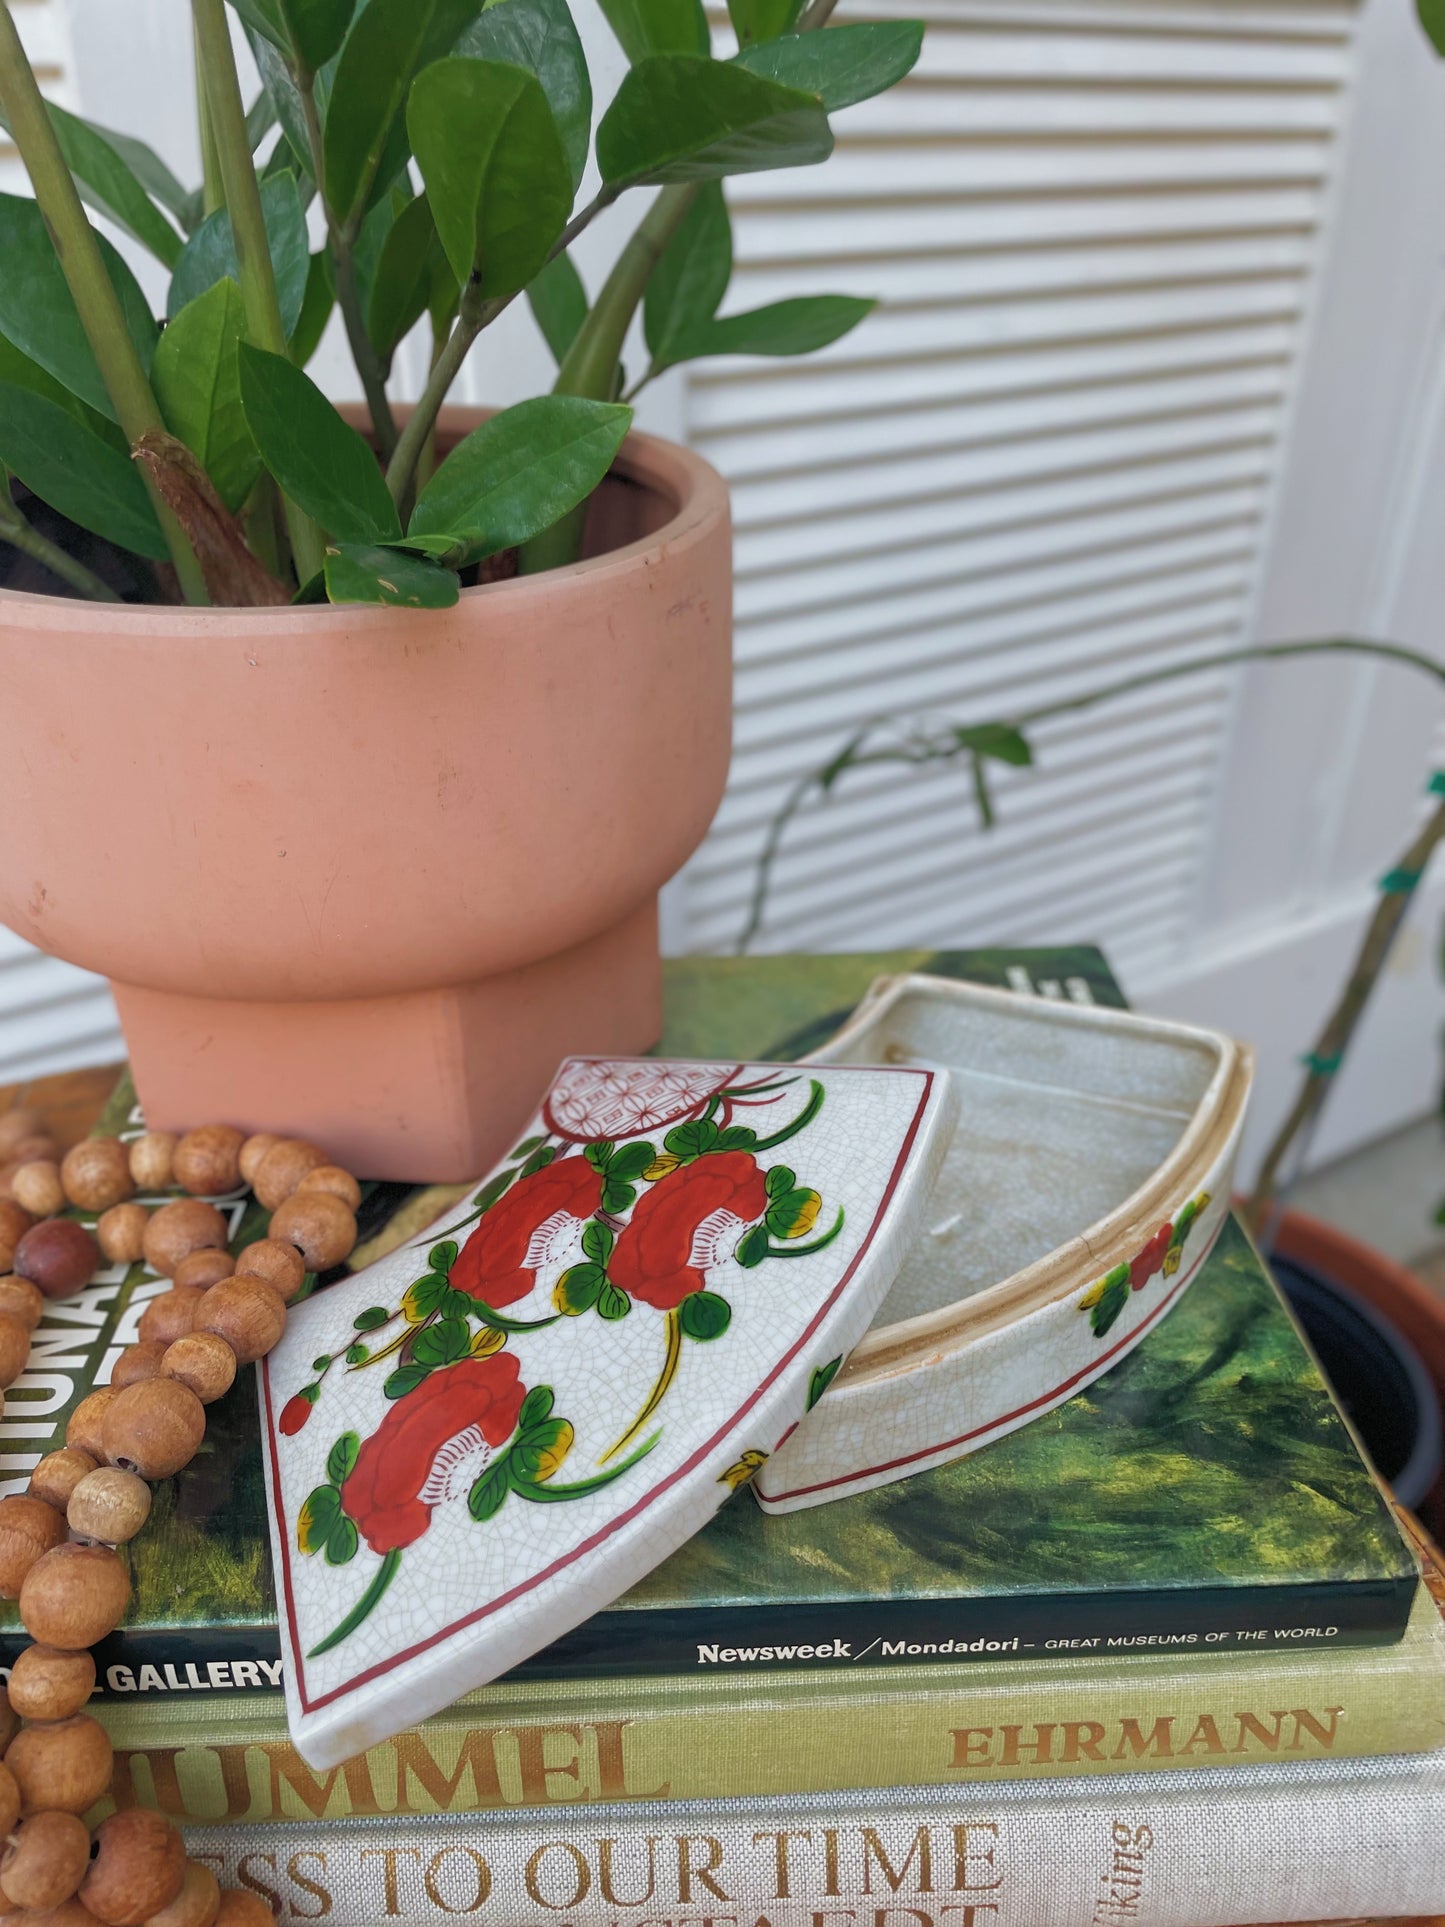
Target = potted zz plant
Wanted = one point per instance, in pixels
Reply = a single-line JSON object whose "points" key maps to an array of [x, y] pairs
{"points": [[355, 751]]}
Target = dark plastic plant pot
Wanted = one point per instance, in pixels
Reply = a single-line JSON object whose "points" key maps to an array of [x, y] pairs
{"points": [[1380, 1336]]}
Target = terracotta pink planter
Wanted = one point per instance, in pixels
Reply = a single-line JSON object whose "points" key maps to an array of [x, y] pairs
{"points": [[366, 876]]}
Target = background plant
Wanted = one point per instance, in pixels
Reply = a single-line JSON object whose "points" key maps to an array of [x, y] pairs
{"points": [[439, 146]]}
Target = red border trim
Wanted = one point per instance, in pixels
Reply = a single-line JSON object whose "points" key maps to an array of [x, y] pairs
{"points": [[1090, 1371], [614, 1525]]}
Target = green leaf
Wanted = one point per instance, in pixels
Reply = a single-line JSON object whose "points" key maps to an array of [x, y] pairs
{"points": [[599, 1153], [492, 1190], [692, 277], [539, 1453], [617, 1197], [150, 170], [539, 1160], [317, 28], [520, 472], [405, 1380], [753, 1247], [540, 36], [316, 306], [197, 382], [631, 1161], [361, 572], [25, 373], [365, 138], [38, 315], [1110, 1303], [496, 173], [658, 27], [321, 1364], [356, 1354], [578, 1288], [443, 1343], [489, 1492], [778, 1180], [310, 1392], [69, 466], [341, 1459], [597, 1242], [558, 301], [704, 1316], [443, 1256], [372, 1319], [317, 1519], [210, 254], [797, 327], [693, 1140], [285, 97], [841, 65], [1001, 741], [341, 1543], [536, 1406], [793, 1213], [321, 462], [527, 1147], [820, 1381], [755, 20], [401, 288], [679, 118], [612, 1303], [107, 180], [427, 1295], [737, 1137], [1432, 19]]}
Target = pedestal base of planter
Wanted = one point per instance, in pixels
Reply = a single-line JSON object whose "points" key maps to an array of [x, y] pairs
{"points": [[430, 1087]]}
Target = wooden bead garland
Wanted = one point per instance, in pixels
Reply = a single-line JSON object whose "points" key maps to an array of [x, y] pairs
{"points": [[219, 1314]]}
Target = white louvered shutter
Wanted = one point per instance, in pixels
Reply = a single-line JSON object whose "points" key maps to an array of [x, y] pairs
{"points": [[1045, 461]]}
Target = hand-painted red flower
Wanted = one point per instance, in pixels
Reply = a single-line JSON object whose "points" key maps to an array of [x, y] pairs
{"points": [[1151, 1258], [402, 1471], [682, 1225], [294, 1414], [524, 1228]]}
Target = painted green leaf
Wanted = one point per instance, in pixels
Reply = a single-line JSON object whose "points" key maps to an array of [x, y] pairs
{"points": [[559, 302], [778, 1180], [496, 173], [210, 254], [492, 1190], [341, 1459], [613, 1303], [752, 1247], [426, 1295], [793, 1214], [736, 1137], [38, 315], [362, 572], [1111, 1302], [821, 1379], [540, 36], [631, 1161], [679, 118], [539, 1452], [1432, 19], [597, 1242], [71, 468], [704, 1315], [356, 1354], [316, 306], [372, 1319], [342, 1542], [536, 1406], [317, 1518], [401, 288], [755, 20], [322, 1363], [646, 27], [25, 373], [319, 460], [197, 382], [841, 65], [106, 179], [538, 1161], [365, 139], [442, 1343], [444, 1255], [689, 282], [578, 1288], [599, 1153], [405, 1380], [693, 1140], [618, 1197], [800, 326], [527, 1147], [489, 1493], [520, 472]]}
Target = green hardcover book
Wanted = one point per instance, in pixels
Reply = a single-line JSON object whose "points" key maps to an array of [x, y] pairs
{"points": [[1204, 1495]]}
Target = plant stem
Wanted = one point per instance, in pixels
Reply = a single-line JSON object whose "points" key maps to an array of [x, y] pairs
{"points": [[592, 361], [248, 228], [1339, 1028], [212, 194], [91, 288], [15, 530]]}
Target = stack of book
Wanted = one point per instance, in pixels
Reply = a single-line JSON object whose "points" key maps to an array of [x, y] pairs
{"points": [[1160, 1657]]}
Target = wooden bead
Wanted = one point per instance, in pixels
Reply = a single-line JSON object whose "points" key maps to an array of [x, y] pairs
{"points": [[17, 1124], [196, 1905], [204, 1362], [247, 1313], [65, 1766], [151, 1160], [335, 1180], [281, 1266], [178, 1229], [320, 1226], [96, 1173], [15, 1221], [9, 1797], [14, 1349], [121, 1233], [37, 1187], [29, 1528], [171, 1316], [73, 1596], [83, 1427], [41, 1149], [70, 1913], [138, 1867], [153, 1428], [57, 1254], [282, 1169], [20, 1299], [140, 1361], [242, 1909], [252, 1152], [7, 1172], [59, 1473], [205, 1268], [9, 1727], [47, 1683], [109, 1506], [46, 1861], [208, 1161]]}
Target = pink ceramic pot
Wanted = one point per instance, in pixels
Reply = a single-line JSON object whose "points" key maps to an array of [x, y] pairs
{"points": [[363, 875]]}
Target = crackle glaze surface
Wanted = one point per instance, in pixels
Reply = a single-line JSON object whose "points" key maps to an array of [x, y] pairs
{"points": [[486, 1436], [1088, 1179]]}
